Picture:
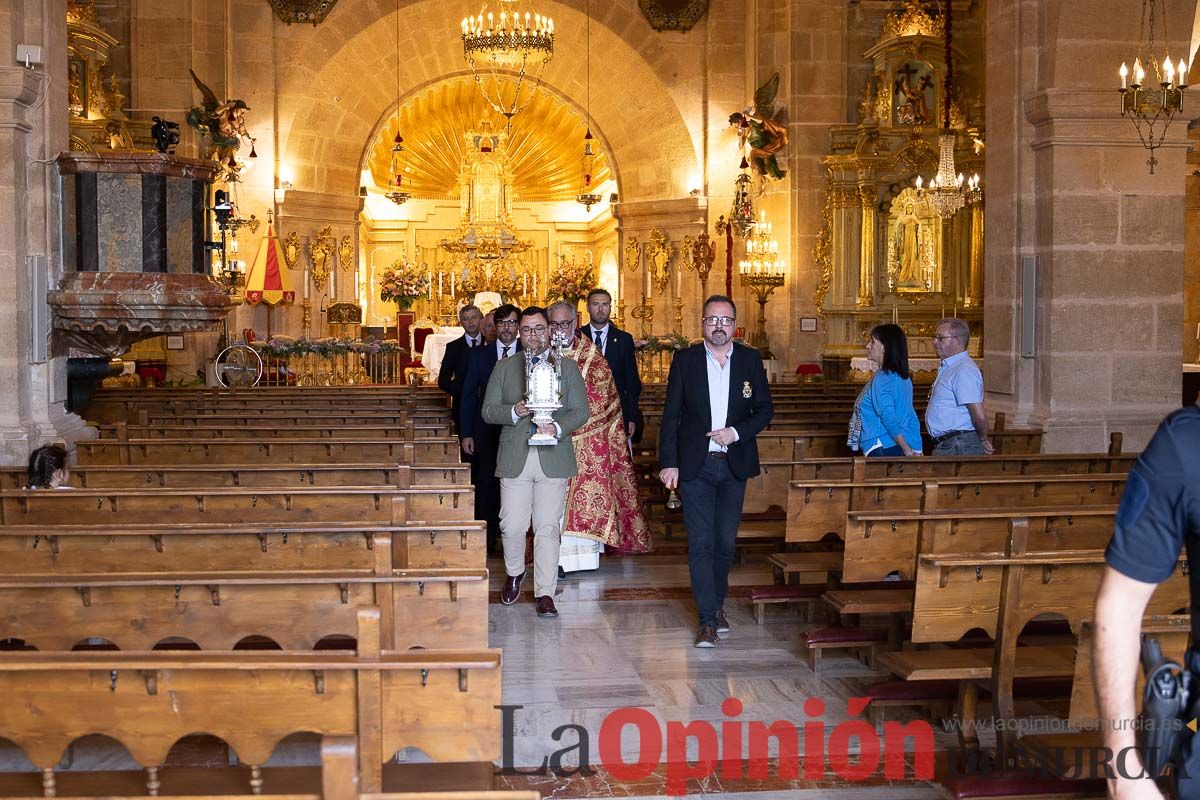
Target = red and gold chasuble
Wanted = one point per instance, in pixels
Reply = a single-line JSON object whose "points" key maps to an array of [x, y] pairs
{"points": [[602, 499]]}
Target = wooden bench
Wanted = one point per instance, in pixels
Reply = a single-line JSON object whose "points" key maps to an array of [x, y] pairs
{"points": [[442, 702], [92, 476], [161, 452], [805, 595], [806, 567], [239, 504], [406, 432]]}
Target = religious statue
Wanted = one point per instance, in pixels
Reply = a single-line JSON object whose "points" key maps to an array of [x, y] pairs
{"points": [[912, 235], [908, 230], [912, 108], [75, 90], [223, 123], [765, 130]]}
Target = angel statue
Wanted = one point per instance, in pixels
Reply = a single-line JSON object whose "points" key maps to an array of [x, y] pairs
{"points": [[223, 123], [764, 129]]}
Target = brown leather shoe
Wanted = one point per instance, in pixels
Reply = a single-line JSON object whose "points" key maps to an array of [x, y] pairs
{"points": [[722, 621], [545, 607], [707, 636], [512, 589]]}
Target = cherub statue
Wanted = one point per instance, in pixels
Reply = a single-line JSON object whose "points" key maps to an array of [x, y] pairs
{"points": [[764, 129], [223, 123]]}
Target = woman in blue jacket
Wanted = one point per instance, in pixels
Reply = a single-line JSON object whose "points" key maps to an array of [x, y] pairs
{"points": [[884, 422]]}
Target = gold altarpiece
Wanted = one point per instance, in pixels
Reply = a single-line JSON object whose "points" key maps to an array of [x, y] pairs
{"points": [[883, 252]]}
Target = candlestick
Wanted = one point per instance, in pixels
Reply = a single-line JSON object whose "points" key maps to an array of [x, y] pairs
{"points": [[333, 285], [895, 314], [535, 287], [678, 282]]}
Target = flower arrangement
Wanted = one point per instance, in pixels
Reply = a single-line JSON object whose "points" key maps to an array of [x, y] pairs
{"points": [[403, 284], [667, 343], [281, 346], [572, 281]]}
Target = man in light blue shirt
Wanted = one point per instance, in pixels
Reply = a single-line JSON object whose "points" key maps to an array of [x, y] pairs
{"points": [[955, 418]]}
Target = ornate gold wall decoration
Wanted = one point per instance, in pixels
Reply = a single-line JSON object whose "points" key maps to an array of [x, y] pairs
{"points": [[706, 254], [320, 252], [659, 255], [914, 20], [673, 15], [823, 253], [346, 253], [632, 254], [291, 249], [313, 11]]}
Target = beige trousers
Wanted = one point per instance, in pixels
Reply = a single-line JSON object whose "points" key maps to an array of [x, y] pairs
{"points": [[531, 497]]}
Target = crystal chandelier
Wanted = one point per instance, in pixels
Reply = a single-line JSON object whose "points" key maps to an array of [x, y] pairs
{"points": [[946, 192], [1149, 106], [587, 196], [396, 192], [762, 250], [510, 39]]}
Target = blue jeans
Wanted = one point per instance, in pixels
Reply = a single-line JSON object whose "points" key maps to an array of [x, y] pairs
{"points": [[712, 509], [966, 444]]}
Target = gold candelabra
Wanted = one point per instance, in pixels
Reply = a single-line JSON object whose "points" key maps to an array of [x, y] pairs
{"points": [[644, 314], [306, 318], [762, 285]]}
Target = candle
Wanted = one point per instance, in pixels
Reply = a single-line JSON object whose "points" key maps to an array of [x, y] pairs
{"points": [[895, 313], [524, 284], [535, 286], [306, 283], [333, 285], [955, 315], [453, 294], [439, 283], [1124, 72], [649, 285]]}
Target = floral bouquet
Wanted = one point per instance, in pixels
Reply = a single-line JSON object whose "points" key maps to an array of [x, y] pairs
{"points": [[403, 284], [571, 281]]}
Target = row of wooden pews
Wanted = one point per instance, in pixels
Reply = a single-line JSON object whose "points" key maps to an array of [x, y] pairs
{"points": [[978, 577], [129, 600]]}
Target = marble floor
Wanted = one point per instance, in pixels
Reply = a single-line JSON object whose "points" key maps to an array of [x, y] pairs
{"points": [[621, 648]]}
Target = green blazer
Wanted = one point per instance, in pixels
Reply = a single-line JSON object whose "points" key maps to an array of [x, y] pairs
{"points": [[505, 389]]}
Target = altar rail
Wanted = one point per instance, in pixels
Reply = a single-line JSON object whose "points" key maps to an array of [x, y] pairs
{"points": [[339, 369]]}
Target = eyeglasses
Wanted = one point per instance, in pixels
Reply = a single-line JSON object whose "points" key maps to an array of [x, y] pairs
{"points": [[508, 323], [566, 323], [528, 330], [941, 338], [714, 321]]}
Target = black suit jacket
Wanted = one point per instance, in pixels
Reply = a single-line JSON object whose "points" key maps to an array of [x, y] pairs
{"points": [[479, 365], [622, 360], [687, 415], [452, 373]]}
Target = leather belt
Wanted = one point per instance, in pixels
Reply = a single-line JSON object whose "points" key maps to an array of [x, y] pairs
{"points": [[717, 454], [951, 435]]}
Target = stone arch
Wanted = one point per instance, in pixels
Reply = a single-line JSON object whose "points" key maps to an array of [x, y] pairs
{"points": [[338, 80]]}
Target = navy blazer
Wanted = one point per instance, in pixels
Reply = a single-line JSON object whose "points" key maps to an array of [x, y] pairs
{"points": [[480, 363], [622, 360], [687, 413], [452, 373]]}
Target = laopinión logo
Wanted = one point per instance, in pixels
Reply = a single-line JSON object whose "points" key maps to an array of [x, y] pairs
{"points": [[855, 752]]}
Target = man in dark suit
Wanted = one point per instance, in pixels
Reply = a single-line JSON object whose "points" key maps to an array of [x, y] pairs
{"points": [[454, 360], [480, 439], [617, 348], [717, 402]]}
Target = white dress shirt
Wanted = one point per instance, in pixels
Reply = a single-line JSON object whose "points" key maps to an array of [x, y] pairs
{"points": [[718, 396], [602, 332], [512, 348]]}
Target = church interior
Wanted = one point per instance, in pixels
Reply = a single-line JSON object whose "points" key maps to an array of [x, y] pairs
{"points": [[240, 235]]}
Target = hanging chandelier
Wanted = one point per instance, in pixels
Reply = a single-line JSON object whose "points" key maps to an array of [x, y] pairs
{"points": [[741, 214], [762, 250], [510, 39], [397, 192], [1148, 106], [947, 191], [588, 196]]}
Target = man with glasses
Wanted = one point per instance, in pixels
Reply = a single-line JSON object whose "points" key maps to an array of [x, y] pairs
{"points": [[479, 439], [717, 402], [533, 480], [454, 360], [955, 418]]}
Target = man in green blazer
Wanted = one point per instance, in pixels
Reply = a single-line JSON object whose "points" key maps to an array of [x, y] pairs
{"points": [[533, 480]]}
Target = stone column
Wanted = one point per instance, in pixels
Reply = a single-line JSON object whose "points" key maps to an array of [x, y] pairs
{"points": [[33, 126], [1068, 185]]}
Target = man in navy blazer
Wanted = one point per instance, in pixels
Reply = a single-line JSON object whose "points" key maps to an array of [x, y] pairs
{"points": [[481, 439], [454, 359], [717, 402], [617, 348]]}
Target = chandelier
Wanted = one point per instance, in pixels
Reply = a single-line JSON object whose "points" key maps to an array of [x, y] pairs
{"points": [[947, 191], [510, 39], [587, 196], [396, 192], [1147, 107], [762, 250]]}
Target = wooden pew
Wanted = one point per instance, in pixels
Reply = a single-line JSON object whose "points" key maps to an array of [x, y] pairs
{"points": [[821, 507], [276, 417], [156, 452], [88, 476], [239, 504], [409, 430], [163, 546], [442, 702]]}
